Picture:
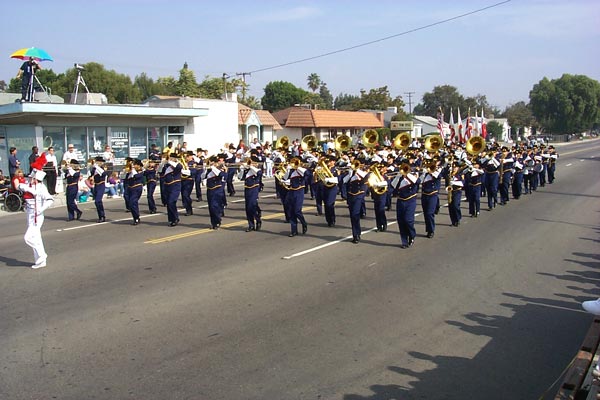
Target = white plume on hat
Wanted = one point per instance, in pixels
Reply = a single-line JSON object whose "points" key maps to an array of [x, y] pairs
{"points": [[40, 175]]}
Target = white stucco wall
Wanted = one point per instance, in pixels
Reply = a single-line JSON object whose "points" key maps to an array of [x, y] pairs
{"points": [[220, 126]]}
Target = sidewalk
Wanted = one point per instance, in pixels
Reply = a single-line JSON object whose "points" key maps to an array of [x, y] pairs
{"points": [[60, 199]]}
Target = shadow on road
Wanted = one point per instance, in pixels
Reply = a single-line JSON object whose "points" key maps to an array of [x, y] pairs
{"points": [[516, 343]]}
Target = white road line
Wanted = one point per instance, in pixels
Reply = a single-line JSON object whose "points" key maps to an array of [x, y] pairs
{"points": [[307, 251], [568, 165]]}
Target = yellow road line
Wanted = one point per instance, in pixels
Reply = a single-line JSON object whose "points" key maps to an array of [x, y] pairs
{"points": [[207, 230]]}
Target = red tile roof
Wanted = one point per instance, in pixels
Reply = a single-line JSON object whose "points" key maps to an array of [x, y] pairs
{"points": [[298, 117], [264, 117]]}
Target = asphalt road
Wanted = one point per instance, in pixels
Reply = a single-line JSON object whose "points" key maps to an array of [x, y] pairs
{"points": [[488, 310]]}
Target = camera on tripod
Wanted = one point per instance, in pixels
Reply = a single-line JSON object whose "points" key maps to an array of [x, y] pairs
{"points": [[79, 67]]}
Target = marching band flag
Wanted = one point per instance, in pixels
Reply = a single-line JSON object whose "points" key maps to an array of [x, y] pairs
{"points": [[483, 125], [452, 131], [440, 124], [477, 127], [469, 127], [461, 138]]}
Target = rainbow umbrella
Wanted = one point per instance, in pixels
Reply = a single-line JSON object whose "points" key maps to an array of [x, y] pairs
{"points": [[32, 52]]}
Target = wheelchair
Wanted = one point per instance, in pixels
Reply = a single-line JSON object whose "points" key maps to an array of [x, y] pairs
{"points": [[13, 199]]}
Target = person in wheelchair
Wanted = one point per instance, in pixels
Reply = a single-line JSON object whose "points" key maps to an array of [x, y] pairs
{"points": [[4, 182], [13, 197]]}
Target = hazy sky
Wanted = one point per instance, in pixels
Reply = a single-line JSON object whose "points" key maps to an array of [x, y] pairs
{"points": [[501, 52]]}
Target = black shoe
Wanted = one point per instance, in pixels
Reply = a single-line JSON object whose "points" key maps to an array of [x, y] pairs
{"points": [[293, 234], [135, 222], [102, 219], [79, 214], [304, 229], [384, 227], [187, 214], [437, 211], [404, 246], [411, 241], [152, 211], [249, 229], [258, 225], [174, 223], [429, 235]]}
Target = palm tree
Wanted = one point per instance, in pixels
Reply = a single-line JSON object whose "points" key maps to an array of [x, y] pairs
{"points": [[314, 82]]}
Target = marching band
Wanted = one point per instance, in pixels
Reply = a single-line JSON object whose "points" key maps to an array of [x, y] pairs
{"points": [[400, 170]]}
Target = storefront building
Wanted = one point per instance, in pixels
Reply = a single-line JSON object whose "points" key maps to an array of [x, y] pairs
{"points": [[130, 130]]}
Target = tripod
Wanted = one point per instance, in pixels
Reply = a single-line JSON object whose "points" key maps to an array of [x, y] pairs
{"points": [[30, 96], [79, 81]]}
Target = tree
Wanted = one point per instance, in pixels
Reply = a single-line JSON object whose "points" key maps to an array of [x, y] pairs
{"points": [[378, 99], [519, 116], [187, 85], [346, 102], [146, 86], [3, 86], [118, 88], [570, 104], [214, 88], [252, 102], [279, 95], [444, 96], [314, 82], [167, 86], [326, 96], [494, 130], [315, 101]]}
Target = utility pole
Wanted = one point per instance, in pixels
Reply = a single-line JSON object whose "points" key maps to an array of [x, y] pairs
{"points": [[409, 94], [243, 75], [225, 77]]}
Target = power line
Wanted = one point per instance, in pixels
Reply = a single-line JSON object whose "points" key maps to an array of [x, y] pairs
{"points": [[382, 39]]}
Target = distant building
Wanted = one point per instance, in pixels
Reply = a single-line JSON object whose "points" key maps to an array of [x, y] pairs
{"points": [[425, 125], [388, 114], [298, 122], [259, 124]]}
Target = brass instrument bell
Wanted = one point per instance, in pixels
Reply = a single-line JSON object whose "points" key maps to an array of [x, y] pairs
{"points": [[475, 145], [309, 142], [402, 141], [370, 138], [433, 143], [283, 143], [342, 143]]}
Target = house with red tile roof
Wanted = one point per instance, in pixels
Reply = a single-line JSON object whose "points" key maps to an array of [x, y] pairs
{"points": [[258, 124], [298, 122]]}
